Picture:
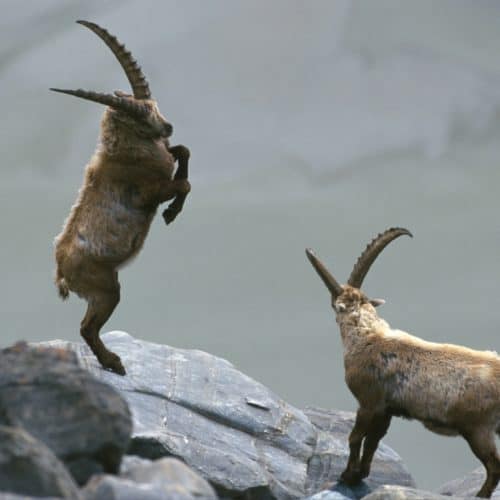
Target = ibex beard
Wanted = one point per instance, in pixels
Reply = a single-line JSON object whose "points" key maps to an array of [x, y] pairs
{"points": [[451, 389], [128, 177]]}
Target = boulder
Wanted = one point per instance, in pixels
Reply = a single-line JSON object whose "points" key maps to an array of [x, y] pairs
{"points": [[392, 492], [230, 429], [107, 487], [328, 495], [129, 462], [28, 467], [13, 496], [468, 485], [84, 421], [166, 478], [171, 474]]}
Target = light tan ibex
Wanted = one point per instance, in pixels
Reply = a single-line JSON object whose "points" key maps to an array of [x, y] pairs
{"points": [[129, 175], [451, 389]]}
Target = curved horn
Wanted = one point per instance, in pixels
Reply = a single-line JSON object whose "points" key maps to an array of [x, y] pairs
{"points": [[119, 103], [138, 82], [324, 274], [371, 252]]}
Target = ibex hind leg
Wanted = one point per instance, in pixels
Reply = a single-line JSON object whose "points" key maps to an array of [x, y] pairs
{"points": [[101, 304], [482, 444]]}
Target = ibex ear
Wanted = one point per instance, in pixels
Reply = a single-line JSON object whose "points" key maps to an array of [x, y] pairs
{"points": [[377, 302]]}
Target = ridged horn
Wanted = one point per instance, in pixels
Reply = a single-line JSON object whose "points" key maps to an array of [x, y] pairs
{"points": [[119, 103], [371, 252], [324, 274], [138, 82]]}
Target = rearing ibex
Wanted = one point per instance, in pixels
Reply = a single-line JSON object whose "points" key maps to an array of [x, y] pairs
{"points": [[129, 175], [451, 389]]}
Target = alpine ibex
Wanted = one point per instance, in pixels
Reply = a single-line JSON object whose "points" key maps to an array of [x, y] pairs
{"points": [[451, 389], [128, 176]]}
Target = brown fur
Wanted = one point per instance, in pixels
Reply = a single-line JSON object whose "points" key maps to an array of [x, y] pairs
{"points": [[130, 174], [451, 389]]}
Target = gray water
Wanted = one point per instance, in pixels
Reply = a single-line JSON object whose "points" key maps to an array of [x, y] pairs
{"points": [[311, 124]]}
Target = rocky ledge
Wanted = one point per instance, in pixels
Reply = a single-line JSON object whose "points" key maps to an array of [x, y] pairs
{"points": [[182, 424]]}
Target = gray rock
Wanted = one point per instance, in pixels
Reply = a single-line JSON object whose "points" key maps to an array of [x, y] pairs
{"points": [[328, 495], [106, 487], [12, 496], [392, 492], [230, 429], [172, 475], [166, 478], [468, 485], [85, 422], [28, 467], [131, 461]]}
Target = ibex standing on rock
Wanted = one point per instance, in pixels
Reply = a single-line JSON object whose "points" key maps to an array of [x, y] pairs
{"points": [[451, 389], [129, 175]]}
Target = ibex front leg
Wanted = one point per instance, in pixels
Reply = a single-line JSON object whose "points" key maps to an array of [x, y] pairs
{"points": [[378, 429], [352, 474], [181, 155]]}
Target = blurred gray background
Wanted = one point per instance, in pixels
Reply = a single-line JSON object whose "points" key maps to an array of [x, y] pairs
{"points": [[310, 124]]}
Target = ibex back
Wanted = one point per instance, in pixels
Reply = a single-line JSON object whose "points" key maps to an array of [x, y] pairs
{"points": [[129, 175]]}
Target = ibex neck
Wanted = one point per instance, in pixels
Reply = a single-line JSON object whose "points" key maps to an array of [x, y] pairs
{"points": [[356, 327]]}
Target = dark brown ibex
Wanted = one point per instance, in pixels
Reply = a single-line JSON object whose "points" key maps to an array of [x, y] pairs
{"points": [[128, 176], [451, 389]]}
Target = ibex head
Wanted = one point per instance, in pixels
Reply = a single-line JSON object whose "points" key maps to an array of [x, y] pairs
{"points": [[137, 113], [347, 297]]}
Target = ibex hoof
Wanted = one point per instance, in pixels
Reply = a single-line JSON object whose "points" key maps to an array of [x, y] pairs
{"points": [[118, 369], [351, 477], [484, 493], [169, 215], [364, 472], [113, 363]]}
